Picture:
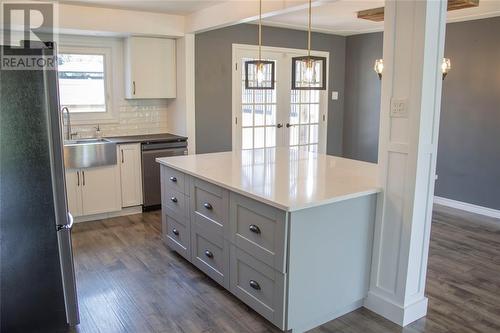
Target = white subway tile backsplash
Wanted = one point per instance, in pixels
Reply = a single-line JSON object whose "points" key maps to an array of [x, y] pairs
{"points": [[133, 119]]}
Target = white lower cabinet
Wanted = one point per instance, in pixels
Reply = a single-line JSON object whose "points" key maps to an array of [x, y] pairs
{"points": [[73, 192], [93, 190], [131, 177]]}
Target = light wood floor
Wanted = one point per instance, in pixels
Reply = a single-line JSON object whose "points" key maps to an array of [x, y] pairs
{"points": [[129, 281]]}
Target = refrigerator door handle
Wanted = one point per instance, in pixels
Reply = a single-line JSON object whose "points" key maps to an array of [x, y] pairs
{"points": [[66, 226]]}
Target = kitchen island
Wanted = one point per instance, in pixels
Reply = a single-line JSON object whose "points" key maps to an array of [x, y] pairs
{"points": [[288, 232]]}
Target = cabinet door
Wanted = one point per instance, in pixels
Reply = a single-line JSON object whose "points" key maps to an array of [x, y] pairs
{"points": [[131, 176], [73, 192], [101, 189], [150, 69]]}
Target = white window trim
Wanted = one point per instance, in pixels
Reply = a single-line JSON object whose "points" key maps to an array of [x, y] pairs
{"points": [[110, 116], [236, 84]]}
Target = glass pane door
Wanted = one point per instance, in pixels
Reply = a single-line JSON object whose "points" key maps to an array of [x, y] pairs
{"points": [[258, 113], [280, 117], [304, 119]]}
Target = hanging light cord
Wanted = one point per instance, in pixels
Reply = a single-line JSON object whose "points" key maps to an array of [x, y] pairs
{"points": [[309, 32], [260, 29]]}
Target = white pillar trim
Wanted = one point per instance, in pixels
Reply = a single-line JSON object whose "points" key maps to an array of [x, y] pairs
{"points": [[413, 48], [190, 92]]}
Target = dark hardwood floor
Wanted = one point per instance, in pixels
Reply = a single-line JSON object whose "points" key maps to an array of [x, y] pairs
{"points": [[129, 281]]}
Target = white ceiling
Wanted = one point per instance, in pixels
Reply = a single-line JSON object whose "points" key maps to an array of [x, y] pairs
{"points": [[340, 17], [183, 7], [337, 17]]}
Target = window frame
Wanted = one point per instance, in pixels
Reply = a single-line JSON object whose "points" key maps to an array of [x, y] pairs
{"points": [[109, 116]]}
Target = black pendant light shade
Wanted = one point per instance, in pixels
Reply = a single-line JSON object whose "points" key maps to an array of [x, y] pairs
{"points": [[309, 73], [259, 74]]}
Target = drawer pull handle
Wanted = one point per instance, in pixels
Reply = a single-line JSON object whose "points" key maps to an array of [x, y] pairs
{"points": [[175, 232], [173, 179], [207, 206], [209, 254], [173, 199], [254, 228], [254, 285]]}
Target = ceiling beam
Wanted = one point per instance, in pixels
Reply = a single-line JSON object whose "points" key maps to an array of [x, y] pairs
{"points": [[234, 12], [86, 20], [377, 14]]}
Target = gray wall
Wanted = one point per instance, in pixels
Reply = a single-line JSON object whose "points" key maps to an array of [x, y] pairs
{"points": [[362, 97], [213, 61], [468, 161], [469, 140]]}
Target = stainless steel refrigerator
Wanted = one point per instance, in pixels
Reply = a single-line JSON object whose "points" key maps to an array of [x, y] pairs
{"points": [[38, 290]]}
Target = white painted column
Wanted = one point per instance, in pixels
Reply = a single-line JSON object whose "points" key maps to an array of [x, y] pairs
{"points": [[181, 110], [414, 36]]}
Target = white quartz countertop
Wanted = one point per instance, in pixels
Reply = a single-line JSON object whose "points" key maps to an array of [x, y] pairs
{"points": [[288, 179]]}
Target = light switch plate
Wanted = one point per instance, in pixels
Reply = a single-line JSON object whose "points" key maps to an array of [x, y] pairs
{"points": [[399, 108], [335, 95]]}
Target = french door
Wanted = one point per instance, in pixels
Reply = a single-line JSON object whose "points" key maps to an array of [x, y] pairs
{"points": [[280, 117]]}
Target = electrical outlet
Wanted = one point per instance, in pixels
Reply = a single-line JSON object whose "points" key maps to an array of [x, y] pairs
{"points": [[335, 95], [399, 108]]}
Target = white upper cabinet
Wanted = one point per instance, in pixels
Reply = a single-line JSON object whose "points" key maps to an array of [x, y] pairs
{"points": [[150, 68]]}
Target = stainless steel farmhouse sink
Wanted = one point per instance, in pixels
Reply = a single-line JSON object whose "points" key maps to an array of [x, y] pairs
{"points": [[88, 153]]}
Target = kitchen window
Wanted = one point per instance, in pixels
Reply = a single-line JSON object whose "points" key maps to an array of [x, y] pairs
{"points": [[81, 82], [85, 82]]}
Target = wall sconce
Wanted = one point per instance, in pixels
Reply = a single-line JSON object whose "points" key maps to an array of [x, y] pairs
{"points": [[379, 67], [445, 66]]}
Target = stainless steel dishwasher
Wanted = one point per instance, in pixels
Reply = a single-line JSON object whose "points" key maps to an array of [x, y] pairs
{"points": [[151, 188]]}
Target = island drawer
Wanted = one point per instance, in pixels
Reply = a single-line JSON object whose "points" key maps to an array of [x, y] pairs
{"points": [[174, 179], [209, 228], [176, 202], [259, 286], [258, 229], [176, 235], [212, 257], [210, 200]]}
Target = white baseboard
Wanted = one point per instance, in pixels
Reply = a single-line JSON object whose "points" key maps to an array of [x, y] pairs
{"points": [[395, 312], [467, 207], [125, 211]]}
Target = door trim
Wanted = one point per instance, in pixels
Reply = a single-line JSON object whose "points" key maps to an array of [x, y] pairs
{"points": [[235, 81]]}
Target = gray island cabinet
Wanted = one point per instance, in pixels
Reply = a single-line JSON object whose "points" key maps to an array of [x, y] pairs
{"points": [[288, 232]]}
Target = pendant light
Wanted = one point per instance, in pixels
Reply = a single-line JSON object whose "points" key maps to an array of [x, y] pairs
{"points": [[259, 74], [309, 72]]}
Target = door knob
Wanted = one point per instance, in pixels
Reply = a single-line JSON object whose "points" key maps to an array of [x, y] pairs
{"points": [[288, 125], [279, 125]]}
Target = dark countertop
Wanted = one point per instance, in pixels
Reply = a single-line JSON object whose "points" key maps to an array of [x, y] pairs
{"points": [[166, 137]]}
